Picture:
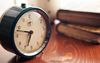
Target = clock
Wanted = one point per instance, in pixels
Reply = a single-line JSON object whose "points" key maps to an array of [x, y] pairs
{"points": [[25, 31]]}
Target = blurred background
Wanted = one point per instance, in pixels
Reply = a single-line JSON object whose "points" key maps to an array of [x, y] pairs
{"points": [[51, 6]]}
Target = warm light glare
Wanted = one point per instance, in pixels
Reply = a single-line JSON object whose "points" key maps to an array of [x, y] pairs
{"points": [[56, 21], [5, 4], [80, 5]]}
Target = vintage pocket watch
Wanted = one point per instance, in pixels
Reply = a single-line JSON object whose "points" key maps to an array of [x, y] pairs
{"points": [[25, 31]]}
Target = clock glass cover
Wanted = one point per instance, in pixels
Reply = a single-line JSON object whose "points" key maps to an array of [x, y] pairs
{"points": [[30, 32]]}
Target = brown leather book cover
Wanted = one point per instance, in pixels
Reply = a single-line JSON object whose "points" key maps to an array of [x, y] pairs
{"points": [[79, 17], [77, 33], [91, 29]]}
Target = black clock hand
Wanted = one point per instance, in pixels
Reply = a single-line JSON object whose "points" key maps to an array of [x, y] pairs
{"points": [[30, 34], [23, 31], [29, 39]]}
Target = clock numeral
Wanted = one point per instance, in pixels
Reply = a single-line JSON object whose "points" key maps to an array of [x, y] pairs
{"points": [[19, 43], [31, 47], [25, 46], [19, 27], [17, 35], [40, 21], [37, 43], [43, 28], [29, 23]]}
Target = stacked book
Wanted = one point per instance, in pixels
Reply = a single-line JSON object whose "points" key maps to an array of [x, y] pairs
{"points": [[79, 25]]}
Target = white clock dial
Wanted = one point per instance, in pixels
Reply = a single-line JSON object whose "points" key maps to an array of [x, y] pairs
{"points": [[30, 32]]}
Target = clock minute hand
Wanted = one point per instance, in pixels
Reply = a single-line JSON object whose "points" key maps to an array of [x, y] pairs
{"points": [[23, 31]]}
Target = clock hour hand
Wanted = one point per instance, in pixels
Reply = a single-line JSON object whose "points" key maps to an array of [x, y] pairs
{"points": [[30, 34], [29, 39]]}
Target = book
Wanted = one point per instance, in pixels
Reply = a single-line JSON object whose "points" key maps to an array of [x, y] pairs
{"points": [[79, 17], [76, 33], [91, 29]]}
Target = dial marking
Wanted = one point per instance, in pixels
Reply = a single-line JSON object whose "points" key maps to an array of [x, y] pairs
{"points": [[37, 43], [43, 28], [25, 46], [40, 21], [29, 23], [17, 35], [19, 27], [19, 43], [31, 47]]}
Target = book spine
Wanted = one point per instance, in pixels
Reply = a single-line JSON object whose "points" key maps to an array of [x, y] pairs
{"points": [[77, 17], [77, 33]]}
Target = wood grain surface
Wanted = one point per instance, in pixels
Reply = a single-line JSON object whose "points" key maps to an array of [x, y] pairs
{"points": [[60, 49]]}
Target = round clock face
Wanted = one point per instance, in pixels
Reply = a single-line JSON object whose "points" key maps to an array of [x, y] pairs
{"points": [[29, 33]]}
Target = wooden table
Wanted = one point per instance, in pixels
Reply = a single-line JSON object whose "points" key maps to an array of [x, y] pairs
{"points": [[60, 49]]}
